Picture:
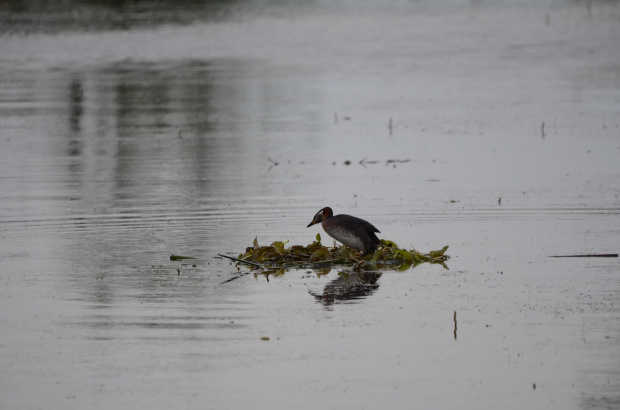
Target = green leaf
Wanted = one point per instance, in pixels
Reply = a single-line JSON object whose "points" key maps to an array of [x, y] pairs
{"points": [[387, 243], [279, 247], [437, 254], [405, 254], [320, 254], [375, 257], [405, 266], [276, 259]]}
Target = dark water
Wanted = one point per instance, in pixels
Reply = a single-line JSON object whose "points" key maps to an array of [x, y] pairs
{"points": [[133, 131]]}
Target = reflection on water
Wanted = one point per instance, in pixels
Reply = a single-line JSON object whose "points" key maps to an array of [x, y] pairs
{"points": [[117, 168], [27, 16], [349, 286], [147, 139], [76, 94]]}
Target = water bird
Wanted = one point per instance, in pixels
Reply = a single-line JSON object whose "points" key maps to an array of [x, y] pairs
{"points": [[354, 232]]}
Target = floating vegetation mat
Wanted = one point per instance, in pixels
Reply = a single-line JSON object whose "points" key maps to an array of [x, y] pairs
{"points": [[316, 255]]}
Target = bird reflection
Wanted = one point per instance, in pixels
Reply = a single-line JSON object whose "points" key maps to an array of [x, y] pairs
{"points": [[348, 285]]}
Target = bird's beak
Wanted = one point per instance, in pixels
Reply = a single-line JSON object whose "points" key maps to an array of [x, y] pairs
{"points": [[310, 224]]}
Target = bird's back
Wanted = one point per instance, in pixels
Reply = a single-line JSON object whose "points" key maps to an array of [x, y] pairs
{"points": [[353, 232]]}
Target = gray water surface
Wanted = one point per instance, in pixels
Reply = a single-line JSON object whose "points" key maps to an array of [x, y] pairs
{"points": [[156, 130]]}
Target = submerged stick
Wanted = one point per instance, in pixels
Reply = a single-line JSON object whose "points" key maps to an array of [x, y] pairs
{"points": [[241, 261], [455, 325], [599, 255]]}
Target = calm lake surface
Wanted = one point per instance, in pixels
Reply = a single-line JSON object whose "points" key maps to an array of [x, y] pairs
{"points": [[135, 131]]}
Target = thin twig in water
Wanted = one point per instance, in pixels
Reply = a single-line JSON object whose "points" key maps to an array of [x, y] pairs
{"points": [[275, 164], [241, 261], [455, 325], [363, 162], [582, 333], [600, 255]]}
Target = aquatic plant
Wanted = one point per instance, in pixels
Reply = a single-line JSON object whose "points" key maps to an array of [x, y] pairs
{"points": [[387, 256]]}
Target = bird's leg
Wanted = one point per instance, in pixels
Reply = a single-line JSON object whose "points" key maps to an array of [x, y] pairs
{"points": [[359, 262], [351, 256]]}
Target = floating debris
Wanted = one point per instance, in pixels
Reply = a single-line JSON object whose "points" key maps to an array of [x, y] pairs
{"points": [[179, 257], [363, 162], [275, 164], [316, 255], [396, 161]]}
